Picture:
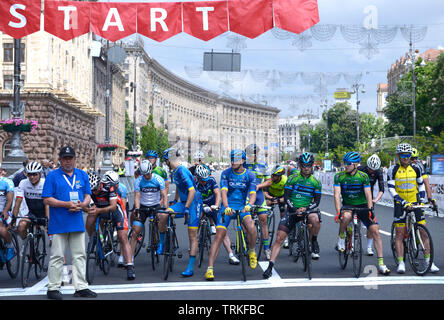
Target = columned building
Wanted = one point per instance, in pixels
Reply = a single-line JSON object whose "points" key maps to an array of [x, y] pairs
{"points": [[290, 133], [382, 99]]}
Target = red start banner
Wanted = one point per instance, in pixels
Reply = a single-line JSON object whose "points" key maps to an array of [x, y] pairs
{"points": [[159, 21]]}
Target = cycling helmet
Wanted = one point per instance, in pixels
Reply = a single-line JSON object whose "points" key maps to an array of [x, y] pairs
{"points": [[111, 176], [374, 162], [415, 153], [306, 159], [94, 180], [33, 167], [237, 154], [198, 155], [171, 154], [203, 172], [145, 167], [352, 157], [404, 148], [151, 153], [252, 149], [278, 170]]}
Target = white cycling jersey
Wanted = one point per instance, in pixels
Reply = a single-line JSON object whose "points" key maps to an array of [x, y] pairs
{"points": [[33, 196]]}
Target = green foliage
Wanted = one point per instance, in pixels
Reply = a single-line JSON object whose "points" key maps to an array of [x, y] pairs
{"points": [[129, 133], [153, 138]]}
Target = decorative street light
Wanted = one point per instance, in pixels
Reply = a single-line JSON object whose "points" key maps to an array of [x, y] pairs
{"points": [[133, 85], [356, 87]]}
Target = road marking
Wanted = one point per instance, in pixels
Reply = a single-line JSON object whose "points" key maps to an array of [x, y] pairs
{"points": [[276, 282], [380, 231], [274, 275]]}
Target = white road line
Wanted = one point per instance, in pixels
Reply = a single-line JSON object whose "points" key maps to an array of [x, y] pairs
{"points": [[274, 275], [380, 231], [276, 282]]}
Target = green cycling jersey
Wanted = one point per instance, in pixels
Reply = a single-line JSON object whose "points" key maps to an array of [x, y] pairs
{"points": [[302, 189]]}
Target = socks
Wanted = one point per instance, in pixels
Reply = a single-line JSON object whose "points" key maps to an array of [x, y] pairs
{"points": [[400, 259], [342, 235], [369, 243], [266, 244], [380, 261], [162, 237]]}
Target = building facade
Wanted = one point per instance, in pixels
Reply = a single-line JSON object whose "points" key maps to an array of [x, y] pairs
{"points": [[381, 91], [290, 132]]}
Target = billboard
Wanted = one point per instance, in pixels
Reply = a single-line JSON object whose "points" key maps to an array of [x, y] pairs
{"points": [[438, 164], [222, 61]]}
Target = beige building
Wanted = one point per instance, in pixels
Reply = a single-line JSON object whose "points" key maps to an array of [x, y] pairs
{"points": [[197, 119], [57, 92], [382, 99], [289, 132]]}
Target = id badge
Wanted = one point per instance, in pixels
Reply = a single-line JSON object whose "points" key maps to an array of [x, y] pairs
{"points": [[74, 196]]}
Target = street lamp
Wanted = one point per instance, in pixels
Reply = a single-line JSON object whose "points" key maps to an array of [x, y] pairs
{"points": [[133, 86], [356, 87]]}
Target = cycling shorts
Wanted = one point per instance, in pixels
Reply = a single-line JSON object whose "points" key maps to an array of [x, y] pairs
{"points": [[144, 213], [118, 217], [288, 221], [210, 213], [364, 216], [258, 203], [195, 211], [225, 225], [398, 212]]}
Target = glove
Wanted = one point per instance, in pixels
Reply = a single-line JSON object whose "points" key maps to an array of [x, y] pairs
{"points": [[228, 211], [337, 217], [247, 208], [407, 204]]}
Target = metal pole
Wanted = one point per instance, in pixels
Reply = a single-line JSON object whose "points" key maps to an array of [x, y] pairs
{"points": [[357, 113], [326, 124], [412, 57], [107, 164], [135, 108]]}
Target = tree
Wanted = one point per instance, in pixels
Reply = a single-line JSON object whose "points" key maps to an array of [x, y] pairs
{"points": [[153, 138], [129, 133]]}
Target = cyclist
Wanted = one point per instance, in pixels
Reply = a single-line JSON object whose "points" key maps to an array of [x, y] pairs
{"points": [[152, 156], [31, 189], [6, 199], [372, 169], [149, 193], [207, 186], [406, 185], [354, 187], [274, 188], [237, 184], [108, 204], [302, 193], [198, 158], [190, 203], [260, 170], [414, 159], [292, 168]]}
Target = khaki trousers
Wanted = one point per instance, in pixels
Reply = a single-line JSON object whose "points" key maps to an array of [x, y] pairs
{"points": [[76, 243]]}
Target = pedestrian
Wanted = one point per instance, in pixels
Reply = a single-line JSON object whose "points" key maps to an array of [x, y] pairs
{"points": [[46, 168], [67, 192], [20, 175]]}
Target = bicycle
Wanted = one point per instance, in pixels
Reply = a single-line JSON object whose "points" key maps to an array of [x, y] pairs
{"points": [[171, 244], [260, 238], [299, 241], [34, 250], [100, 251], [13, 264], [204, 236], [353, 241], [415, 241]]}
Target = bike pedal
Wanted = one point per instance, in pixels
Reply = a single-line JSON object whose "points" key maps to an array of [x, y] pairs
{"points": [[179, 255]]}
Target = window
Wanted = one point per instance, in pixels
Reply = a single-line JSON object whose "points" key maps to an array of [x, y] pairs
{"points": [[6, 148], [8, 82], [8, 52], [5, 112]]}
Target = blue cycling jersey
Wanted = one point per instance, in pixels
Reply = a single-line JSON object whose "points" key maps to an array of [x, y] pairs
{"points": [[149, 189], [207, 191], [6, 185], [239, 186], [122, 191], [184, 181]]}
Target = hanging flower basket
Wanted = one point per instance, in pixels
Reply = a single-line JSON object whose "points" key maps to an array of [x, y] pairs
{"points": [[107, 147], [18, 124]]}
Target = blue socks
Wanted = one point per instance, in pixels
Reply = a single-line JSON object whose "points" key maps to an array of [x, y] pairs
{"points": [[189, 271]]}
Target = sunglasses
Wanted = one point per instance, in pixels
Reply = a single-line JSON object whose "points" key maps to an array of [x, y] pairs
{"points": [[305, 165], [405, 155], [32, 174], [348, 163]]}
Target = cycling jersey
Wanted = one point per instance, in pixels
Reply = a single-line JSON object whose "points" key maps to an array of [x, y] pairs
{"points": [[277, 189], [102, 199], [162, 173], [122, 191], [260, 171], [207, 191], [239, 186], [405, 184], [149, 189], [303, 189], [375, 175], [352, 187], [6, 185], [33, 196]]}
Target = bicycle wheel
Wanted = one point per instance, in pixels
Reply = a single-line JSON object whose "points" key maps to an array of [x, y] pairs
{"points": [[203, 234], [167, 253], [108, 251], [416, 249], [242, 253], [40, 254], [175, 249], [392, 244], [357, 251], [27, 260], [91, 258], [13, 265], [259, 239], [271, 221], [154, 240], [343, 256], [307, 253]]}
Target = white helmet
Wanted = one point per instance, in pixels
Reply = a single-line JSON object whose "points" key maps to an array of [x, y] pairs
{"points": [[145, 167], [198, 155], [203, 172], [374, 162], [111, 176], [404, 147], [33, 167]]}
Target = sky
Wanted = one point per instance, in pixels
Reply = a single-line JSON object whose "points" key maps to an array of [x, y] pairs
{"points": [[267, 53]]}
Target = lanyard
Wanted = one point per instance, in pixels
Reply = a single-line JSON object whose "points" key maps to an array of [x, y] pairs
{"points": [[73, 181]]}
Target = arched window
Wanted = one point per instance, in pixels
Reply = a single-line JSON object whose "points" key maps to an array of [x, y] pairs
{"points": [[6, 148]]}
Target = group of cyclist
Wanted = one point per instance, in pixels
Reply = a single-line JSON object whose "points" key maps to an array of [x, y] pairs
{"points": [[246, 183]]}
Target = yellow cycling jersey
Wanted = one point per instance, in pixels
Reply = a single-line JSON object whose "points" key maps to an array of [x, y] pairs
{"points": [[277, 189], [404, 183]]}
